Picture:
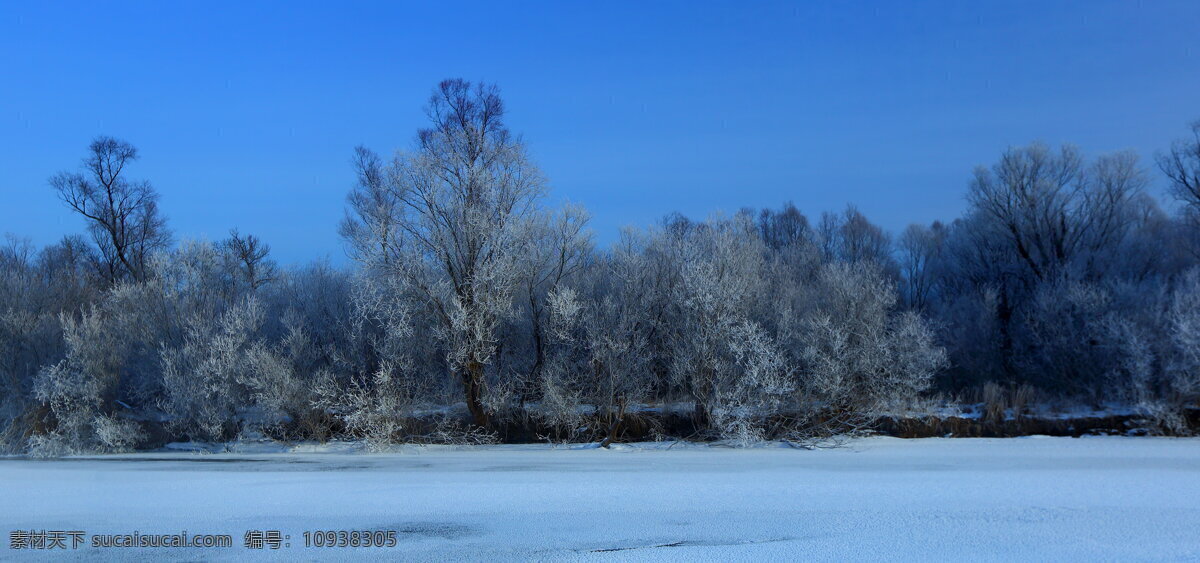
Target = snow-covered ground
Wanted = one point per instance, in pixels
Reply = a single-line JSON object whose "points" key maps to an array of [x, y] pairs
{"points": [[1046, 499]]}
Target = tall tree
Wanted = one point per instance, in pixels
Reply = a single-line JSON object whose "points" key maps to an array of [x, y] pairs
{"points": [[920, 248], [466, 205], [122, 214], [1053, 211]]}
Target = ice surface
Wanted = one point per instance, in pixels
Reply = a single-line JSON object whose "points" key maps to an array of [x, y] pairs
{"points": [[1100, 498]]}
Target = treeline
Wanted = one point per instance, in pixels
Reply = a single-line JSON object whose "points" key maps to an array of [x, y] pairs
{"points": [[474, 311]]}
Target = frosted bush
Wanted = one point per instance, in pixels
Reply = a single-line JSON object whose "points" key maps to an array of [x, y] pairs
{"points": [[78, 392], [858, 353], [207, 379]]}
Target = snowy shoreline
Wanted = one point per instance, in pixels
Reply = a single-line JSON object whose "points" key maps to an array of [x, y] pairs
{"points": [[1047, 498]]}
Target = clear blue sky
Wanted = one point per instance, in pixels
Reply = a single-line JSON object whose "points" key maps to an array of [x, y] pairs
{"points": [[247, 116]]}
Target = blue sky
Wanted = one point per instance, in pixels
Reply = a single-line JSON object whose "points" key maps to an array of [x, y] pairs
{"points": [[246, 114]]}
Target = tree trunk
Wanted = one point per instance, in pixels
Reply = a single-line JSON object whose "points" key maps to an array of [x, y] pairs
{"points": [[473, 383], [700, 392], [614, 426], [700, 415], [1004, 316]]}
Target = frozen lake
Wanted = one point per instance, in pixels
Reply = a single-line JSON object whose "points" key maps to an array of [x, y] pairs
{"points": [[872, 499]]}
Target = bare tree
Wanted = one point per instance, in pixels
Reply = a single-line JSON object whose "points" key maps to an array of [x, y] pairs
{"points": [[783, 228], [250, 255], [1054, 212], [920, 249], [1039, 221], [851, 237], [1029, 196], [862, 240], [1182, 167], [122, 214]]}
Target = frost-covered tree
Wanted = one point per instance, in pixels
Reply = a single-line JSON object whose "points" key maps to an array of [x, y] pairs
{"points": [[79, 390], [1042, 222], [1179, 388], [378, 396], [207, 380], [1150, 344], [558, 249], [727, 362], [857, 352], [1064, 274], [468, 205], [373, 213], [599, 334], [36, 289]]}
